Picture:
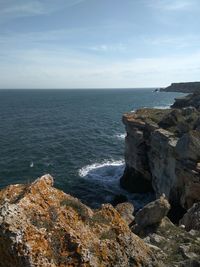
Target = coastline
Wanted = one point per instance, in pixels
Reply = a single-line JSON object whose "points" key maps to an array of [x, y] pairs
{"points": [[43, 226]]}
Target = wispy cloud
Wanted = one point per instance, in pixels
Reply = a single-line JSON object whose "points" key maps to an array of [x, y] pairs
{"points": [[183, 41], [23, 8], [108, 48], [173, 5]]}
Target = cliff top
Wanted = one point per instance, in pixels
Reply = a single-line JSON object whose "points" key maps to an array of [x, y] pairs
{"points": [[184, 87], [176, 121]]}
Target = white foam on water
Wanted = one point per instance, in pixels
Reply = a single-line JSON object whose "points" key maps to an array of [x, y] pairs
{"points": [[31, 164], [106, 176], [120, 136], [162, 107], [99, 169]]}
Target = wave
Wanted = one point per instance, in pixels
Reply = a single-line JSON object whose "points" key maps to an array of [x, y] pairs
{"points": [[120, 136], [162, 107], [99, 169], [106, 179]]}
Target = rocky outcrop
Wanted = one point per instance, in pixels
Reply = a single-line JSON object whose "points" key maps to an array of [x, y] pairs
{"points": [[126, 210], [42, 226], [162, 152], [174, 245], [191, 100], [152, 213], [191, 220], [187, 87]]}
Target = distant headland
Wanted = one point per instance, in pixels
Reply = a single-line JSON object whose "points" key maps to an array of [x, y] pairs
{"points": [[184, 87]]}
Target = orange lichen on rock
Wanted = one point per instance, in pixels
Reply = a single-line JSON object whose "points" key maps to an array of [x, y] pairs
{"points": [[42, 226]]}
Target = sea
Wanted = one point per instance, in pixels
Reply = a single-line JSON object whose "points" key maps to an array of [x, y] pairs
{"points": [[77, 136]]}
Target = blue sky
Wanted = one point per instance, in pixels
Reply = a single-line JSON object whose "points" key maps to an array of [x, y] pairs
{"points": [[98, 43]]}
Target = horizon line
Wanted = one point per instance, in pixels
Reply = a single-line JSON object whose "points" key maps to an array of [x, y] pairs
{"points": [[84, 88]]}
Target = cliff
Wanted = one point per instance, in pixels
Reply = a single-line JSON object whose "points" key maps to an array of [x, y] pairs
{"points": [[187, 87], [42, 226], [162, 153]]}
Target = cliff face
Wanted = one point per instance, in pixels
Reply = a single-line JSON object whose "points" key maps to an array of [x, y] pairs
{"points": [[187, 87], [162, 151], [43, 226]]}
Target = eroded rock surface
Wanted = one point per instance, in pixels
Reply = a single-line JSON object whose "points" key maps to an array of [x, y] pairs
{"points": [[162, 152], [174, 245], [42, 226], [126, 210], [152, 213]]}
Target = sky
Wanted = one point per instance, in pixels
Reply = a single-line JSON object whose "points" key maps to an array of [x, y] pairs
{"points": [[98, 43]]}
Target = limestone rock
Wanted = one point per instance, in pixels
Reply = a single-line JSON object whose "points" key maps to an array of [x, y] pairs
{"points": [[152, 213], [162, 154], [191, 219], [177, 246], [126, 210], [42, 226], [192, 100]]}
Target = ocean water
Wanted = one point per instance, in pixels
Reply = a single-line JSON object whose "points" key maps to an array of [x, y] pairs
{"points": [[75, 135]]}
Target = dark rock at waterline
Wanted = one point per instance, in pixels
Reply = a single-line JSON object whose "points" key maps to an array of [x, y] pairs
{"points": [[134, 181]]}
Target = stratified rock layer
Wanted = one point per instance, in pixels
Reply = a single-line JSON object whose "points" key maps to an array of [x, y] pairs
{"points": [[43, 226], [162, 151]]}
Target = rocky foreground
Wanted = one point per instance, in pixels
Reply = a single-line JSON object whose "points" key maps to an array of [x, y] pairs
{"points": [[42, 226]]}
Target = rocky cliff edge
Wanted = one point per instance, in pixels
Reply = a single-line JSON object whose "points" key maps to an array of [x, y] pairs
{"points": [[162, 152]]}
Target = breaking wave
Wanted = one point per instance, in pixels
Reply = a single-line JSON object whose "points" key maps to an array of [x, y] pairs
{"points": [[121, 136], [106, 176], [163, 107], [107, 169]]}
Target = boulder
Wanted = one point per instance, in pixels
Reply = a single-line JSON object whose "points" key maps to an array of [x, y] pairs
{"points": [[152, 213]]}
